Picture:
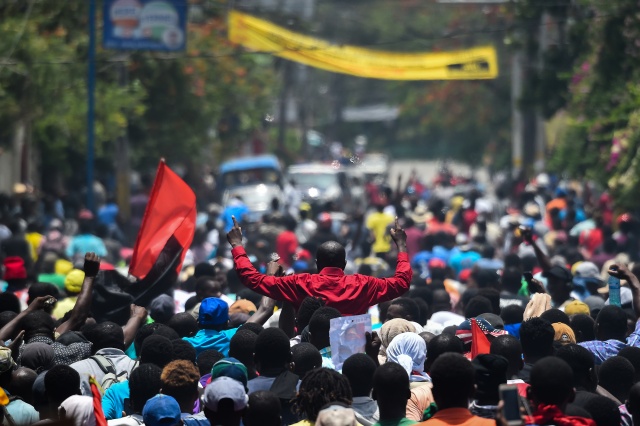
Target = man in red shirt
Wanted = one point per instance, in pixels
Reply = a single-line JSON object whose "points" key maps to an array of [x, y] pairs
{"points": [[350, 294]]}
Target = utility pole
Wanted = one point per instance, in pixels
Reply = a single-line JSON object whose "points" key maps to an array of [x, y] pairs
{"points": [[517, 121], [122, 160], [91, 88]]}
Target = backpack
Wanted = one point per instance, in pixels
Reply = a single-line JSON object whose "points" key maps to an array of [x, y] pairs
{"points": [[111, 376]]}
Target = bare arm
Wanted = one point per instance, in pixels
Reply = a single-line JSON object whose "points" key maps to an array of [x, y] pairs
{"points": [[11, 330], [81, 309], [623, 273], [265, 311], [287, 320], [399, 237], [543, 259], [138, 317]]}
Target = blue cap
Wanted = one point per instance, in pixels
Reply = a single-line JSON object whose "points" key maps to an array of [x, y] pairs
{"points": [[161, 410], [213, 311]]}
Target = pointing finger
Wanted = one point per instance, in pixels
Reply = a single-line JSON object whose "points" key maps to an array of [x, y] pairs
{"points": [[235, 222], [397, 225]]}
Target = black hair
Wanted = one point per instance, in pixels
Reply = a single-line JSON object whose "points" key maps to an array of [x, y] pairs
{"points": [[144, 384], [511, 279], [383, 307], [104, 335], [233, 281], [390, 384], [556, 315], [9, 302], [469, 294], [603, 411], [478, 305], [318, 388], [37, 323], [425, 293], [494, 297], [204, 280], [440, 345], [453, 379], [486, 278], [272, 349], [61, 382], [510, 348], [306, 310], [616, 375], [22, 381], [207, 359], [250, 295], [536, 336], [242, 346], [183, 350], [612, 323], [6, 317], [424, 310], [156, 350], [551, 381], [184, 324], [331, 254], [581, 362], [253, 327], [409, 306], [191, 303], [632, 354], [153, 328], [263, 409], [306, 357], [583, 327], [359, 369], [512, 314], [42, 289], [320, 323]]}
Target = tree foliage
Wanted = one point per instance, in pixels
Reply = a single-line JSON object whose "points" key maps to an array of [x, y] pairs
{"points": [[602, 140], [173, 105]]}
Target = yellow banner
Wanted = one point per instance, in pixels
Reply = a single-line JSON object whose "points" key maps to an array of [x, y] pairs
{"points": [[259, 35]]}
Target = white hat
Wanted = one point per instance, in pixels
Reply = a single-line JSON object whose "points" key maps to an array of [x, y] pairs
{"points": [[225, 388]]}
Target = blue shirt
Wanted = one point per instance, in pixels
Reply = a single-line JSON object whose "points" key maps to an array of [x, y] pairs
{"points": [[85, 243], [463, 260], [238, 211], [108, 213], [113, 400], [609, 348], [212, 339]]}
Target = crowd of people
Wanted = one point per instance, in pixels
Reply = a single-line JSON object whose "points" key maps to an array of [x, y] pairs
{"points": [[470, 297]]}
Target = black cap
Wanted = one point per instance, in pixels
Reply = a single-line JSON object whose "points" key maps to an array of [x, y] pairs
{"points": [[559, 272]]}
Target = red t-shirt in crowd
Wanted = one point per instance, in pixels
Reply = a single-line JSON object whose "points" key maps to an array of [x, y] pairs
{"points": [[350, 294]]}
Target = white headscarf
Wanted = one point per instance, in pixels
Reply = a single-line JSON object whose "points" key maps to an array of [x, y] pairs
{"points": [[410, 351], [79, 410]]}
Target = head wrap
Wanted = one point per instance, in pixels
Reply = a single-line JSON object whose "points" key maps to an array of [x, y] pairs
{"points": [[410, 351]]}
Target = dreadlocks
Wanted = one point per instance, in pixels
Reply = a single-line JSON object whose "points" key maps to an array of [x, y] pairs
{"points": [[318, 388]]}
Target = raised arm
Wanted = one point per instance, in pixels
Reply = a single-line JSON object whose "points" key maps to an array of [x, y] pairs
{"points": [[11, 330], [81, 309], [137, 318], [264, 312], [399, 237], [279, 288], [543, 259], [622, 272]]}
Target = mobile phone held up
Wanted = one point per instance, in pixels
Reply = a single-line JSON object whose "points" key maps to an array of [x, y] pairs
{"points": [[511, 404], [528, 277]]}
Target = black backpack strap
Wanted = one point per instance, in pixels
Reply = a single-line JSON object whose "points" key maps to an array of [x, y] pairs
{"points": [[104, 363]]}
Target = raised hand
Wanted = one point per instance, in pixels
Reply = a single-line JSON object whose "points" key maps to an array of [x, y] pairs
{"points": [[91, 264], [399, 236], [234, 236]]}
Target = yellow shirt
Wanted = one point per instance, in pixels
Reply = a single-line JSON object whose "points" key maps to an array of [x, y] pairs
{"points": [[378, 223], [64, 306], [34, 239]]}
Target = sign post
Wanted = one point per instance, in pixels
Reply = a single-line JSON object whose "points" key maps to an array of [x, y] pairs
{"points": [[91, 88]]}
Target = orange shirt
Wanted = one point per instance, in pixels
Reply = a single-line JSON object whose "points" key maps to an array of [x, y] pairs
{"points": [[457, 417]]}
